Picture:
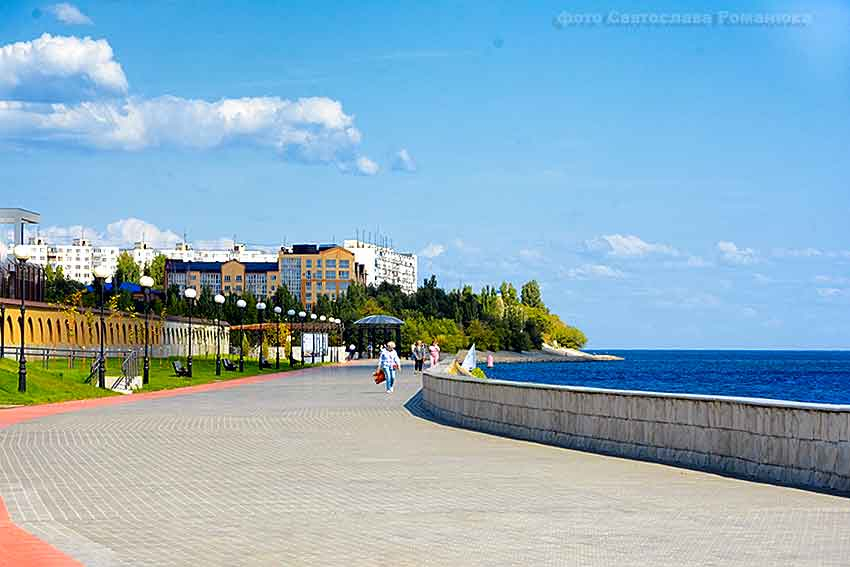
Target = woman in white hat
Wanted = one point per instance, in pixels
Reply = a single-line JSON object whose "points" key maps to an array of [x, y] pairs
{"points": [[389, 363]]}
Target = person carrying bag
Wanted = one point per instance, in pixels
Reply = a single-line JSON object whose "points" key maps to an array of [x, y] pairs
{"points": [[388, 364]]}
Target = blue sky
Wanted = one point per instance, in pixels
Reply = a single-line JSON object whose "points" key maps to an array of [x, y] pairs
{"points": [[669, 186]]}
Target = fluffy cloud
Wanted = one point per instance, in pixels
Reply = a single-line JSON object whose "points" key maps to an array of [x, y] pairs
{"points": [[57, 68], [129, 230], [432, 250], [731, 254], [594, 271], [629, 246], [69, 14], [55, 86], [365, 166], [829, 292], [403, 162]]}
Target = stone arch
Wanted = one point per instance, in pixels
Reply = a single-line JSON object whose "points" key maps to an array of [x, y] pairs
{"points": [[40, 330], [50, 331], [30, 333], [11, 329], [124, 332]]}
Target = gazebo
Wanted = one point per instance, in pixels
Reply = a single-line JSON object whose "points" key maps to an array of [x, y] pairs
{"points": [[380, 327]]}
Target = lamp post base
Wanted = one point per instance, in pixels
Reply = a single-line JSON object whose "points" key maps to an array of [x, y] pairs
{"points": [[189, 366], [146, 373]]}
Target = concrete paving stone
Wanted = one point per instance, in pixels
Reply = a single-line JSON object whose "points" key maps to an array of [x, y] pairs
{"points": [[325, 468]]}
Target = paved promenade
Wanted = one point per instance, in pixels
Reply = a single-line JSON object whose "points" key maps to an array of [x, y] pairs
{"points": [[323, 468]]}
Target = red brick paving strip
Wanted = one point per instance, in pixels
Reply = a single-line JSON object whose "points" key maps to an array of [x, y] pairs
{"points": [[19, 548]]}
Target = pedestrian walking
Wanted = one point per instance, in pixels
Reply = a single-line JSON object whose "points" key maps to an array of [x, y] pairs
{"points": [[434, 351], [418, 351], [389, 364]]}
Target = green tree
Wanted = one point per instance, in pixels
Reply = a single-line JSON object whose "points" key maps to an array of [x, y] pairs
{"points": [[156, 270], [509, 295], [128, 270], [58, 288], [531, 295]]}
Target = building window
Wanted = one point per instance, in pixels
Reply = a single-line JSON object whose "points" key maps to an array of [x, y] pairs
{"points": [[329, 275], [308, 285], [318, 275], [344, 275], [330, 263], [274, 277], [343, 264], [239, 288], [194, 277], [238, 278], [309, 263], [318, 285], [227, 278], [309, 275], [226, 288], [319, 263]]}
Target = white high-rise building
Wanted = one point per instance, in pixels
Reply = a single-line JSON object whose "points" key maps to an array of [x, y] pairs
{"points": [[184, 251], [383, 264], [77, 259], [143, 253]]}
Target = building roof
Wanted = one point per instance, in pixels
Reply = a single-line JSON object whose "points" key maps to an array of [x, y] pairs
{"points": [[312, 248], [379, 321], [182, 266]]}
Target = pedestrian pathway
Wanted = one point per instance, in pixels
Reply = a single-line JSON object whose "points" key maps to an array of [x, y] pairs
{"points": [[322, 467]]}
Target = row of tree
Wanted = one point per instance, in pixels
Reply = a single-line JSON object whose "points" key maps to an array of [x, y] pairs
{"points": [[495, 318]]}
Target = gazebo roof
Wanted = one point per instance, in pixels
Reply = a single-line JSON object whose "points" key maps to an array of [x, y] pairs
{"points": [[379, 321]]}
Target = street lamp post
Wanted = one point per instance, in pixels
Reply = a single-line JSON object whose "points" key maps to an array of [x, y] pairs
{"points": [[322, 336], [100, 274], [22, 254], [261, 308], [302, 315], [2, 331], [147, 283], [241, 304], [219, 300], [313, 318], [190, 294], [277, 312], [290, 317]]}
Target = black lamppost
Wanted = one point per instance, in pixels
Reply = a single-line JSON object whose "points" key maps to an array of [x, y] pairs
{"points": [[261, 308], [241, 304], [2, 331], [219, 300], [100, 274], [22, 254], [277, 312], [147, 283], [313, 318], [302, 315], [322, 318], [190, 294], [290, 317]]}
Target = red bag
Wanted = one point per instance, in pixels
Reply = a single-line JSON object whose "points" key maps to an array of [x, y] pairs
{"points": [[379, 376]]}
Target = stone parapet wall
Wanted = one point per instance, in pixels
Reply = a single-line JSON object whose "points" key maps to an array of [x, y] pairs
{"points": [[789, 443]]}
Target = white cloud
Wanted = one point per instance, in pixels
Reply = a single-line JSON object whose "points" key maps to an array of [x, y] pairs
{"points": [[629, 246], [59, 68], [402, 161], [432, 250], [69, 14], [797, 252], [594, 271], [530, 254], [731, 254], [835, 280], [54, 86], [365, 166], [127, 231], [829, 291], [698, 262]]}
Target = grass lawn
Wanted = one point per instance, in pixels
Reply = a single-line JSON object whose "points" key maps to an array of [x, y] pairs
{"points": [[59, 383]]}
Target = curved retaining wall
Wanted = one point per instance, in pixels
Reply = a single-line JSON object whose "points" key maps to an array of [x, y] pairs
{"points": [[790, 443]]}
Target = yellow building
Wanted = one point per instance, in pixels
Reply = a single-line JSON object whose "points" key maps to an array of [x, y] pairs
{"points": [[232, 277], [313, 270]]}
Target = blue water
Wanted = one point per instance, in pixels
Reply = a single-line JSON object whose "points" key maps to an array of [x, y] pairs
{"points": [[805, 376]]}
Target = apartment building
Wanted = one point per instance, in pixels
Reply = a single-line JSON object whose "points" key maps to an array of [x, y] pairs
{"points": [[312, 270], [231, 277], [384, 264], [77, 259]]}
